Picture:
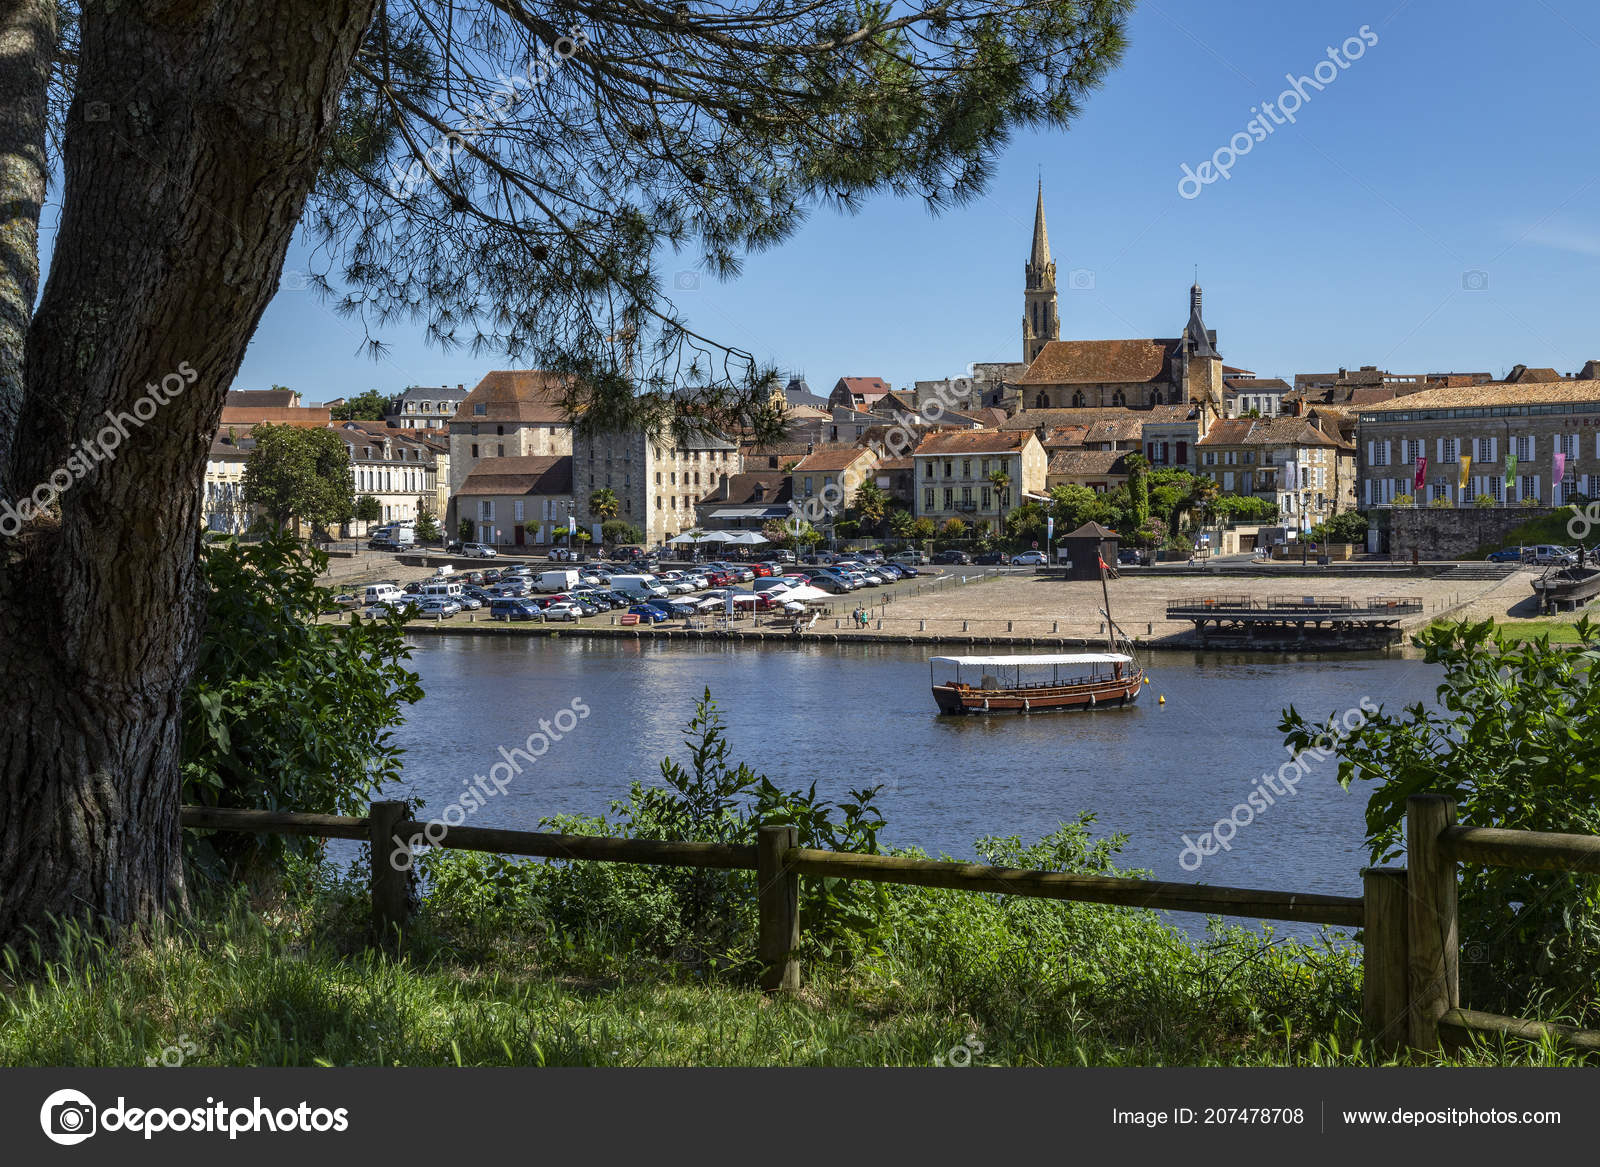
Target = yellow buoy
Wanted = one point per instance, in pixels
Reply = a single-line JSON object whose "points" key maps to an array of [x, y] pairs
{"points": [[1161, 700]]}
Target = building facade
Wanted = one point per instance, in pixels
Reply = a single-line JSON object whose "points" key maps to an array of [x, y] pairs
{"points": [[1507, 440], [515, 502], [508, 414], [425, 408], [657, 481], [399, 469], [955, 474], [1305, 473]]}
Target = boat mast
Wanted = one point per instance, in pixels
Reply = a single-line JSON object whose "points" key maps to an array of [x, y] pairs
{"points": [[1105, 590]]}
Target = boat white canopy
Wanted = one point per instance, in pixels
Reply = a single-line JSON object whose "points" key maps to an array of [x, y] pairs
{"points": [[1080, 658]]}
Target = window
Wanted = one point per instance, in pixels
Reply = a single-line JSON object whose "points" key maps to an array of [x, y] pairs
{"points": [[500, 430], [1524, 448], [949, 468], [966, 467], [929, 474], [927, 499], [966, 496], [480, 410], [1119, 398], [474, 449], [988, 501], [1077, 400], [486, 510], [500, 450], [1497, 488], [949, 498], [807, 481], [516, 510], [1211, 458], [1448, 451], [1529, 488], [1568, 444]]}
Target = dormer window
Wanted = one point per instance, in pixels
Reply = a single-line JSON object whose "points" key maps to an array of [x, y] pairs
{"points": [[480, 410]]}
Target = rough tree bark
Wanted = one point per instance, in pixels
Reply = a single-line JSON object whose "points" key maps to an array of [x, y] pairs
{"points": [[192, 142]]}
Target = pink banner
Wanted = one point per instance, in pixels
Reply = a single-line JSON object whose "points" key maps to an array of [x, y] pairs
{"points": [[1561, 466], [1422, 471]]}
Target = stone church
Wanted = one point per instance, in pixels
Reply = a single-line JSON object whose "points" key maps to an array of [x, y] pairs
{"points": [[1076, 374]]}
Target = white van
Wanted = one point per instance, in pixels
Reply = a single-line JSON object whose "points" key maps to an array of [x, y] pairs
{"points": [[441, 589], [557, 581], [381, 594], [643, 587]]}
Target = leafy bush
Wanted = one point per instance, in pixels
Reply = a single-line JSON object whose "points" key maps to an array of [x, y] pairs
{"points": [[1346, 527], [1485, 502], [284, 713], [1403, 500], [620, 531], [703, 918], [1517, 745], [1442, 503]]}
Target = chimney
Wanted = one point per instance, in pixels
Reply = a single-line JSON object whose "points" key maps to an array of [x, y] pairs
{"points": [[811, 448]]}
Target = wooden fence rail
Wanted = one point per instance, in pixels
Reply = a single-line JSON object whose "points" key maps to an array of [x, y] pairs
{"points": [[1407, 915]]}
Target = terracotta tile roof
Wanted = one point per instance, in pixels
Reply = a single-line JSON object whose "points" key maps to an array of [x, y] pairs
{"points": [[1559, 392], [897, 464], [741, 489], [827, 458], [1255, 383], [1230, 371], [1087, 463], [247, 415], [524, 395], [1523, 375], [1268, 431], [1084, 362], [1047, 419], [973, 442], [262, 398], [869, 389], [526, 474], [1064, 436], [807, 413], [1115, 429]]}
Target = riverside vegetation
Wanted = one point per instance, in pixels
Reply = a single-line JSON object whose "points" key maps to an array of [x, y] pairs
{"points": [[541, 963]]}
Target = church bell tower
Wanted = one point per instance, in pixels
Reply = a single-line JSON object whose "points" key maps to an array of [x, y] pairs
{"points": [[1040, 321]]}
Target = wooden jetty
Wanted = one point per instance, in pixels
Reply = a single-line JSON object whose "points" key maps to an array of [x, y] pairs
{"points": [[1329, 620]]}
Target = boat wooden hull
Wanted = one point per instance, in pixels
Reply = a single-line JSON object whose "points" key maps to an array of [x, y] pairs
{"points": [[1573, 586], [963, 699]]}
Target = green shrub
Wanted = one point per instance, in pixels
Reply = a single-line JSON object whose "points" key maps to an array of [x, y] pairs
{"points": [[1516, 742], [1485, 502]]}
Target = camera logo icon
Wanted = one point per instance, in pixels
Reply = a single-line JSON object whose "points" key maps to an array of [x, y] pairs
{"points": [[1080, 279], [68, 1117], [1475, 281], [686, 281]]}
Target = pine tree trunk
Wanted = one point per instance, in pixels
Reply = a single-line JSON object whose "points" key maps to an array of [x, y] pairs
{"points": [[192, 142]]}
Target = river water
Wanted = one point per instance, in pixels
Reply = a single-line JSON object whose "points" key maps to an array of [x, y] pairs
{"points": [[848, 716]]}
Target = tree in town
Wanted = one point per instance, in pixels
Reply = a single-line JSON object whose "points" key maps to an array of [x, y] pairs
{"points": [[466, 531], [367, 509], [1027, 524], [619, 531], [1073, 506], [1345, 527], [296, 473], [369, 406], [427, 525], [283, 711], [1138, 493], [1000, 481], [901, 523], [923, 529], [953, 529], [1514, 738], [507, 177], [871, 505], [603, 504], [1245, 508]]}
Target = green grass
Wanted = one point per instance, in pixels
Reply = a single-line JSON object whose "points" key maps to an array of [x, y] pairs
{"points": [[289, 987], [1559, 631]]}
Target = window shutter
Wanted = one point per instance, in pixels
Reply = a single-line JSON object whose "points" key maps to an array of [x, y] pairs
{"points": [[1538, 492], [1372, 451], [1366, 489], [1494, 449], [1533, 450], [1388, 452]]}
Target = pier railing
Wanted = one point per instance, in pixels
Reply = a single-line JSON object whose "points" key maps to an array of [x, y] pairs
{"points": [[1409, 926]]}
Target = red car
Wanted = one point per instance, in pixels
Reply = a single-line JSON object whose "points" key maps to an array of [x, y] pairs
{"points": [[761, 570], [719, 579]]}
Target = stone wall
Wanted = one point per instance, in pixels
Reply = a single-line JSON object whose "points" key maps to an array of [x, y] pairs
{"points": [[1450, 533]]}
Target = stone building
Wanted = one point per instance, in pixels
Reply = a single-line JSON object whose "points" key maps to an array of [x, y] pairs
{"points": [[954, 472], [398, 468], [1308, 475], [421, 407], [657, 480], [509, 414], [1483, 427], [1041, 320], [517, 501]]}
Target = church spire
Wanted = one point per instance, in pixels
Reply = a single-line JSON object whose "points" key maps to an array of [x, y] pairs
{"points": [[1041, 237], [1041, 322]]}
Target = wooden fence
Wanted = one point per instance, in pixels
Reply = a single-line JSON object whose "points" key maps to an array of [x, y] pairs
{"points": [[1410, 928]]}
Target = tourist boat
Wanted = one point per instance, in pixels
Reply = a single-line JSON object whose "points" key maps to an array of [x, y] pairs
{"points": [[1567, 587], [1034, 684]]}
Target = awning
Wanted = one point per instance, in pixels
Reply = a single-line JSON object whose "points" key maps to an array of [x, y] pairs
{"points": [[1081, 658], [751, 512]]}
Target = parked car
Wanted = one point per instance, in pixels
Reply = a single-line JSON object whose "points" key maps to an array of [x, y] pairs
{"points": [[783, 556], [988, 558], [478, 551], [438, 607], [760, 571], [468, 603], [512, 609], [1129, 556], [677, 609], [648, 613], [1552, 556], [956, 557], [563, 610], [890, 571], [1030, 559], [1506, 555], [909, 558]]}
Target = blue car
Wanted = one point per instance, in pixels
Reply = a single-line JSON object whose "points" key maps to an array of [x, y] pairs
{"points": [[646, 612], [1506, 555], [673, 608]]}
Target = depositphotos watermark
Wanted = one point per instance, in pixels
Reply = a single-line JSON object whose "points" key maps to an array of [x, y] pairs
{"points": [[68, 1117], [92, 451], [1267, 789], [1270, 115], [480, 787]]}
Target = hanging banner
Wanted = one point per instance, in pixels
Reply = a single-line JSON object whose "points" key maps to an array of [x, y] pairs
{"points": [[1422, 473], [1291, 475], [1466, 473], [1561, 467]]}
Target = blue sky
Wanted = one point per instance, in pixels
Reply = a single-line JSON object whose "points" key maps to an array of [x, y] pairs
{"points": [[1459, 143]]}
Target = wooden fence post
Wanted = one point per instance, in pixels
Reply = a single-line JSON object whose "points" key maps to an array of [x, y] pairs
{"points": [[391, 883], [778, 892], [1433, 931], [1385, 975]]}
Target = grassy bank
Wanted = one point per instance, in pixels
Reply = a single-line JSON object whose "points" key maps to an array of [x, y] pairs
{"points": [[985, 981], [1527, 631]]}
